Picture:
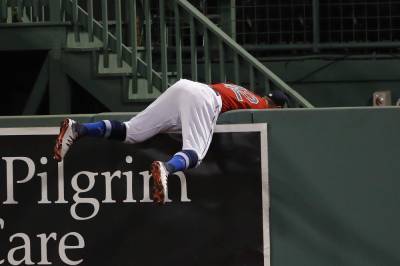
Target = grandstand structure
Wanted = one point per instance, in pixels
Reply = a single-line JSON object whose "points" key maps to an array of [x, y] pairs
{"points": [[135, 49]]}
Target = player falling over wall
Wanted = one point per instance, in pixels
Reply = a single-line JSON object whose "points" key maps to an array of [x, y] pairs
{"points": [[189, 107]]}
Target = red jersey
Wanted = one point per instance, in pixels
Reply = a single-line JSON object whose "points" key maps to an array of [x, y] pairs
{"points": [[236, 97]]}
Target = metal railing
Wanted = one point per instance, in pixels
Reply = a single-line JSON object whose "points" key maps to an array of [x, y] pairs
{"points": [[219, 59], [242, 60], [128, 28], [30, 11], [22, 11]]}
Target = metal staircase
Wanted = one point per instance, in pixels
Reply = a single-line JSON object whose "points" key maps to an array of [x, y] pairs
{"points": [[102, 50]]}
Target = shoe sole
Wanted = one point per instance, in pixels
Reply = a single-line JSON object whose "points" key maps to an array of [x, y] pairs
{"points": [[158, 189], [58, 146]]}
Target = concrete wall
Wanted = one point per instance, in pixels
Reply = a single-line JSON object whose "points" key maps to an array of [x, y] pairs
{"points": [[335, 82]]}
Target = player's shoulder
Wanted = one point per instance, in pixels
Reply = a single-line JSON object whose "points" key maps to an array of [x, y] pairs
{"points": [[228, 85]]}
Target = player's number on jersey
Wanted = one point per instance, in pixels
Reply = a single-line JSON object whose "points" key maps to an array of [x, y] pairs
{"points": [[241, 92]]}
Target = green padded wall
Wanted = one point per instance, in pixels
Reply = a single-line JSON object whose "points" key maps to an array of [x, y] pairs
{"points": [[334, 182]]}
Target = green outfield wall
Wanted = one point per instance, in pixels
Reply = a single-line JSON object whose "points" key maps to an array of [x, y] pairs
{"points": [[334, 182]]}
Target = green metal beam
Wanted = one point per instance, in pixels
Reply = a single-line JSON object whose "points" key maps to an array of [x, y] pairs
{"points": [[149, 59], [3, 10], [227, 12], [38, 90], [221, 49], [316, 29], [62, 11], [232, 14], [163, 40], [118, 31], [178, 41], [207, 59], [36, 10], [18, 6], [236, 74], [267, 86], [75, 20], [55, 11], [59, 90], [90, 20], [193, 48], [251, 77], [104, 30], [132, 8]]}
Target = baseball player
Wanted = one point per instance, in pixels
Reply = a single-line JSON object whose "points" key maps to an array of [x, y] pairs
{"points": [[189, 107]]}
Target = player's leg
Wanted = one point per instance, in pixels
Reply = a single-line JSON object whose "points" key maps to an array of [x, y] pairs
{"points": [[198, 115], [198, 122], [70, 131], [157, 117], [160, 170]]}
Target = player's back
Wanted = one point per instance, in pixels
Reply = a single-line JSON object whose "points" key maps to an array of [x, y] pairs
{"points": [[236, 97]]}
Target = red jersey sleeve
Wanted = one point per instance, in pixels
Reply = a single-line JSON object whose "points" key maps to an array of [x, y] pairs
{"points": [[236, 97]]}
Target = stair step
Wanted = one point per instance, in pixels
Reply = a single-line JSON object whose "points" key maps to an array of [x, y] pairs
{"points": [[141, 94], [84, 44], [113, 69]]}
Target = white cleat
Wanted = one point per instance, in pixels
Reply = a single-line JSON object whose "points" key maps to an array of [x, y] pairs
{"points": [[65, 139], [160, 175]]}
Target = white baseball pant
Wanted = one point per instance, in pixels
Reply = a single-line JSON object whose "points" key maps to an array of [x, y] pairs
{"points": [[189, 107]]}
